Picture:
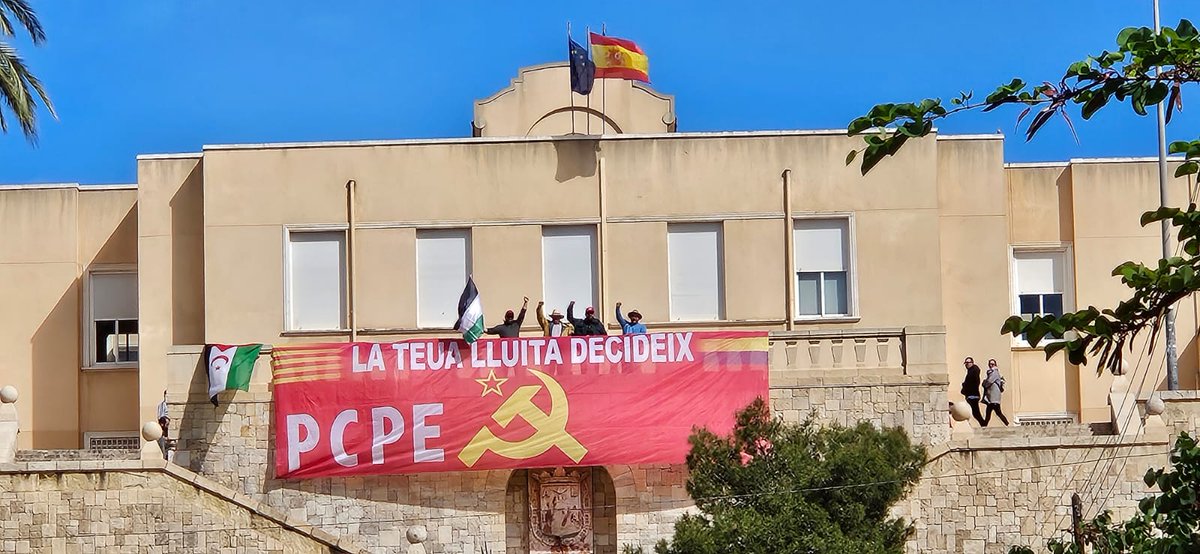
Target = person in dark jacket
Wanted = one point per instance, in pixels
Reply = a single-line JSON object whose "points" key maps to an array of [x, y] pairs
{"points": [[993, 385], [511, 328], [589, 325], [970, 389]]}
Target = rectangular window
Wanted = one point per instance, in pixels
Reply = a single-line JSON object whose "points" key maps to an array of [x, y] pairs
{"points": [[316, 280], [569, 267], [443, 263], [114, 318], [1040, 283], [695, 253], [822, 252]]}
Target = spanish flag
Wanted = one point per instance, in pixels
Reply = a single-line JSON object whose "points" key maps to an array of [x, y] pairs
{"points": [[619, 58]]}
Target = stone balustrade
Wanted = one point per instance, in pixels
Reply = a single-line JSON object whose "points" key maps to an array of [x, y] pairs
{"points": [[849, 352]]}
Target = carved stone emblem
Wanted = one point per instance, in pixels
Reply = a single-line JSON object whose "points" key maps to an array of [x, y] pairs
{"points": [[560, 511]]}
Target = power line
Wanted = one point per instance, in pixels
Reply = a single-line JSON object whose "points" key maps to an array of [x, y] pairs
{"points": [[1092, 488], [1129, 416]]}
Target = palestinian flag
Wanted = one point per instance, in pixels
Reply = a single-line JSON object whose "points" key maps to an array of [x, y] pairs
{"points": [[470, 313], [229, 367]]}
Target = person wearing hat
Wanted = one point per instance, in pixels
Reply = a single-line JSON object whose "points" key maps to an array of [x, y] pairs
{"points": [[633, 325], [555, 327], [511, 328], [589, 325]]}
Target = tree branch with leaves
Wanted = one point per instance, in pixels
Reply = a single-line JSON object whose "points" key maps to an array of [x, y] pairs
{"points": [[1146, 69]]}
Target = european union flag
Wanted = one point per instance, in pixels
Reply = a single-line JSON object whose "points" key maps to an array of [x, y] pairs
{"points": [[583, 70]]}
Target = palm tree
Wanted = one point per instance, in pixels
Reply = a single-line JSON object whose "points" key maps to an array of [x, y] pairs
{"points": [[19, 89]]}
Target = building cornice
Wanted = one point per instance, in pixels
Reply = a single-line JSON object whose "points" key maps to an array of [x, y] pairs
{"points": [[69, 186], [517, 139]]}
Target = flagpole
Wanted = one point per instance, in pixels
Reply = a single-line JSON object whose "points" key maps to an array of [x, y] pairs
{"points": [[603, 88], [588, 98], [569, 89], [351, 258], [1171, 355]]}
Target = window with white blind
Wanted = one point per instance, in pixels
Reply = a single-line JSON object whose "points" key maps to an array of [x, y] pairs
{"points": [[316, 279], [569, 267], [695, 253], [1040, 283], [443, 264], [113, 319], [823, 280]]}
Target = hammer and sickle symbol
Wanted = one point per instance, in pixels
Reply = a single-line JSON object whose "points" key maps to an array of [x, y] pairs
{"points": [[550, 429]]}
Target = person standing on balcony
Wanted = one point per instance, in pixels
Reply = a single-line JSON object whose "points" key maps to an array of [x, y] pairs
{"points": [[589, 325], [970, 389], [511, 328], [633, 325], [993, 386], [555, 327]]}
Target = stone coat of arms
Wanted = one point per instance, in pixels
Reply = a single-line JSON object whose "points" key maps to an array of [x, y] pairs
{"points": [[560, 511]]}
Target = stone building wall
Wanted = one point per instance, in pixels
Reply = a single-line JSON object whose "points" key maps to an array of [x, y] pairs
{"points": [[985, 495], [129, 506], [464, 511], [917, 403]]}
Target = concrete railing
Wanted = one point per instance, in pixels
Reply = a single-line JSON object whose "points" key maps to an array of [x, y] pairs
{"points": [[894, 351]]}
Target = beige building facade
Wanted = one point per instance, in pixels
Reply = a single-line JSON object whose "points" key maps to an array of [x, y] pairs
{"points": [[110, 291]]}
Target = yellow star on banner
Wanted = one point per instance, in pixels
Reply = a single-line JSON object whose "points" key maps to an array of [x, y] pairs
{"points": [[491, 383]]}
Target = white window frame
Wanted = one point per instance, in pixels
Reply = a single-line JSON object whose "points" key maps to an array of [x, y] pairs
{"points": [[597, 260], [89, 326], [851, 269], [287, 275], [1068, 264], [470, 241], [720, 252]]}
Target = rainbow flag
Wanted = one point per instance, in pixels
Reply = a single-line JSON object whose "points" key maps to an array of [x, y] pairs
{"points": [[619, 58]]}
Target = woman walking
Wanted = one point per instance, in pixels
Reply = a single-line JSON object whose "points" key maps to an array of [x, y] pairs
{"points": [[970, 388], [993, 385]]}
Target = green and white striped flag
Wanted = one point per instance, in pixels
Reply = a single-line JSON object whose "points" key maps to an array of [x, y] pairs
{"points": [[470, 313], [229, 367]]}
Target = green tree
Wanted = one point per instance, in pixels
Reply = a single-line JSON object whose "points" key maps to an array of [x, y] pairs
{"points": [[1166, 523], [771, 487], [1146, 69], [20, 90]]}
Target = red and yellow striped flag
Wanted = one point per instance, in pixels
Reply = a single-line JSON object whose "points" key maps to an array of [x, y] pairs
{"points": [[619, 58]]}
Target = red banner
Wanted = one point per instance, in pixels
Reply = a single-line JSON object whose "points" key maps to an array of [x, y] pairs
{"points": [[441, 405]]}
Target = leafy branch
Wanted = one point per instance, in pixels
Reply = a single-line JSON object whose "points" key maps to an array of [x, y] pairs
{"points": [[1128, 74], [1146, 69]]}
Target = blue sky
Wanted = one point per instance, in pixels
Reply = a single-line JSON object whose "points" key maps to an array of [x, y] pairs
{"points": [[149, 76]]}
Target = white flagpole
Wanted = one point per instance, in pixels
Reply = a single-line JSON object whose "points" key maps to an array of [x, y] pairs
{"points": [[588, 98], [570, 90], [603, 88]]}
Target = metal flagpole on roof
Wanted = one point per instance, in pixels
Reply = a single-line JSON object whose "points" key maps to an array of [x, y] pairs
{"points": [[603, 89], [588, 97], [570, 90], [1171, 354]]}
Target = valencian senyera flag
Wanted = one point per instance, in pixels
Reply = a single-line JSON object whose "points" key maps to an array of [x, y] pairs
{"points": [[470, 313], [619, 58], [583, 71], [229, 367], [425, 405]]}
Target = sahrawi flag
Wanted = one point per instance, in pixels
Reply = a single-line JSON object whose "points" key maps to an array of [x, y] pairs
{"points": [[229, 367], [470, 313]]}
